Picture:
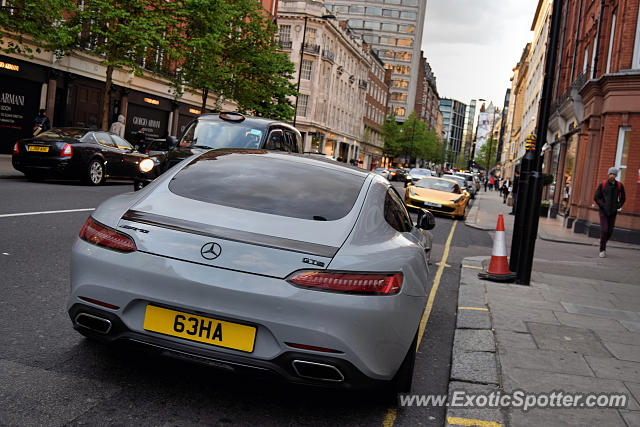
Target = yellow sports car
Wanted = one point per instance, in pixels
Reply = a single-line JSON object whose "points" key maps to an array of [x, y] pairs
{"points": [[438, 195]]}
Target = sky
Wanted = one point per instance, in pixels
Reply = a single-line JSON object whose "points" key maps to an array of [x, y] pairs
{"points": [[473, 45]]}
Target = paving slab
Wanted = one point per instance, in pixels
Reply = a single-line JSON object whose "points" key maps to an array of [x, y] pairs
{"points": [[614, 368], [608, 313], [566, 338], [469, 277], [596, 300], [588, 322], [566, 417], [486, 414], [473, 319], [514, 291], [533, 381], [564, 362], [511, 301], [624, 351], [514, 340], [40, 397], [471, 296], [632, 418], [631, 326], [468, 340], [475, 367], [634, 388], [514, 318], [618, 288], [623, 337]]}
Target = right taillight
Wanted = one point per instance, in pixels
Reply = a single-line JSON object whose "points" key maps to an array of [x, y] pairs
{"points": [[355, 283], [67, 151], [101, 235], [16, 149]]}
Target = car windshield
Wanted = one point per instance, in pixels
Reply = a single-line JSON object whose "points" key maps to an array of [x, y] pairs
{"points": [[460, 180], [420, 172], [438, 184], [215, 134]]}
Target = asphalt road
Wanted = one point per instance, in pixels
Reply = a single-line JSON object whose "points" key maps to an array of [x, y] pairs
{"points": [[50, 375]]}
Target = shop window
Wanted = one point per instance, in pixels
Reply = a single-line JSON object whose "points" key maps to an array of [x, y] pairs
{"points": [[622, 153]]}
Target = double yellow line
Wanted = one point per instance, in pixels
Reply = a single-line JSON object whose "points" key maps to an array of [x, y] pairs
{"points": [[392, 413]]}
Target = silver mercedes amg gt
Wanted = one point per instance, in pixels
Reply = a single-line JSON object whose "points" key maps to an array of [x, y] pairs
{"points": [[287, 263]]}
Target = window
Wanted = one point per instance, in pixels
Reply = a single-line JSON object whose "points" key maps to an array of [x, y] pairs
{"points": [[356, 10], [275, 141], [306, 69], [371, 39], [103, 138], [395, 213], [401, 69], [371, 25], [586, 60], [303, 101], [611, 37], [636, 48], [398, 96], [389, 27], [391, 13], [310, 38], [392, 1], [355, 23], [341, 8], [403, 55], [401, 83], [408, 15], [121, 143], [407, 42], [374, 11], [410, 2], [285, 33], [391, 41], [408, 29], [622, 153], [399, 111]]}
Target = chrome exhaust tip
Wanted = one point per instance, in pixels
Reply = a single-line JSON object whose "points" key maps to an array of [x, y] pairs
{"points": [[94, 323], [317, 371]]}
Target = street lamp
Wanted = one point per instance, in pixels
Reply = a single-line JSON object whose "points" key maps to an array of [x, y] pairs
{"points": [[304, 39]]}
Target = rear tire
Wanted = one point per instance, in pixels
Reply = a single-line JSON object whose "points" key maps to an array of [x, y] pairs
{"points": [[95, 172], [401, 382]]}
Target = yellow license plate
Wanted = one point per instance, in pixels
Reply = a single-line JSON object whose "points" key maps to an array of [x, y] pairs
{"points": [[38, 148], [198, 328]]}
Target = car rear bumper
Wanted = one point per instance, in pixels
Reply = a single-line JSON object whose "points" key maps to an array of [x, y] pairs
{"points": [[372, 334], [55, 166]]}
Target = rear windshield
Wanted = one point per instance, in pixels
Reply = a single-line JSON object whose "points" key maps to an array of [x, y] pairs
{"points": [[56, 134], [420, 172], [269, 183]]}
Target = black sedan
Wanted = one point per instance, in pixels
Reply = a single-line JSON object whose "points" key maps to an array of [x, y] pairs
{"points": [[221, 130], [87, 154]]}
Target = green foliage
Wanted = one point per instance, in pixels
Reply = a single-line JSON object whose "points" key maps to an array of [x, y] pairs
{"points": [[486, 155], [412, 139], [229, 48], [33, 26]]}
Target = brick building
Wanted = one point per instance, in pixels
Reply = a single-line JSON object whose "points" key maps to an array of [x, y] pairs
{"points": [[595, 122]]}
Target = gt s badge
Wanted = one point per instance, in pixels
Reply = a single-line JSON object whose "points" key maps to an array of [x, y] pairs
{"points": [[313, 262]]}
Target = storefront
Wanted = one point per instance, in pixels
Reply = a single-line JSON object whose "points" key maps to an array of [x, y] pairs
{"points": [[20, 99], [147, 114], [186, 113]]}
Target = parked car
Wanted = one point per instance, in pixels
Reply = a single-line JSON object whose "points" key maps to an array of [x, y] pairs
{"points": [[401, 174], [237, 257], [461, 181], [87, 154], [440, 195], [472, 188], [417, 174], [384, 172], [221, 130]]}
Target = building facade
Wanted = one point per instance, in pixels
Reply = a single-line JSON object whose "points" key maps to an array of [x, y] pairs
{"points": [[467, 133], [427, 105], [333, 78], [376, 102], [453, 113], [595, 121], [394, 30]]}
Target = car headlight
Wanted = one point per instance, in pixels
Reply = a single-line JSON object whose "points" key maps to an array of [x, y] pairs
{"points": [[146, 165], [458, 200], [411, 191]]}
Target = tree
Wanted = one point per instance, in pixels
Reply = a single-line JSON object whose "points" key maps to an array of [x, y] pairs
{"points": [[124, 35], [486, 155], [34, 26], [230, 48], [391, 136]]}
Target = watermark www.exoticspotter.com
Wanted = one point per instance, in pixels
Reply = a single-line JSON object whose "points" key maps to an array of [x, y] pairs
{"points": [[519, 399]]}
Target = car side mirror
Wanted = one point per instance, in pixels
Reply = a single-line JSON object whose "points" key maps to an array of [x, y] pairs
{"points": [[408, 184], [173, 141], [426, 220]]}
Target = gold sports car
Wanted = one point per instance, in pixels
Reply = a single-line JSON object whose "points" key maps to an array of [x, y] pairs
{"points": [[438, 195]]}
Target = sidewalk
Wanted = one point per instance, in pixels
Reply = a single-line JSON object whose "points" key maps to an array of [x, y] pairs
{"points": [[6, 168], [576, 329]]}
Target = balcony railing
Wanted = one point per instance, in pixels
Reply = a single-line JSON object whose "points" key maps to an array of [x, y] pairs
{"points": [[311, 48], [327, 54], [285, 44], [364, 84]]}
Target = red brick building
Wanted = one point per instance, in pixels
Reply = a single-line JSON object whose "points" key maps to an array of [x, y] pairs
{"points": [[595, 122], [427, 99]]}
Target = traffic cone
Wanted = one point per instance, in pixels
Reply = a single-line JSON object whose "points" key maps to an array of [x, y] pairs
{"points": [[499, 266]]}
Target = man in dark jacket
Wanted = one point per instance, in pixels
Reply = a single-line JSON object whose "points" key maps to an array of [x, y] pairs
{"points": [[609, 197], [41, 123]]}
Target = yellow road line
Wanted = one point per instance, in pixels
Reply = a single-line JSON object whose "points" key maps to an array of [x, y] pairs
{"points": [[390, 418], [473, 308], [472, 266], [470, 422]]}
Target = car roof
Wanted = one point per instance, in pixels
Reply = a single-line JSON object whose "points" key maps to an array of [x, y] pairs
{"points": [[248, 120]]}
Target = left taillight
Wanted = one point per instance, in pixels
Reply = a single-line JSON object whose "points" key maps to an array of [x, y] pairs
{"points": [[67, 151], [101, 235], [16, 149], [354, 283]]}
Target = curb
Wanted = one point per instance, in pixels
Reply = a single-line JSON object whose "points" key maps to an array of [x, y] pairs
{"points": [[474, 365], [544, 236]]}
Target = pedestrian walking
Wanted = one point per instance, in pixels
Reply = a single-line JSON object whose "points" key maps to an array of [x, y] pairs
{"points": [[514, 192], [492, 183], [117, 127], [504, 189], [41, 123], [609, 197]]}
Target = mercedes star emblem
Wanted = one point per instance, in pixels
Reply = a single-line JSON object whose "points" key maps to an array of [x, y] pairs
{"points": [[210, 250]]}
